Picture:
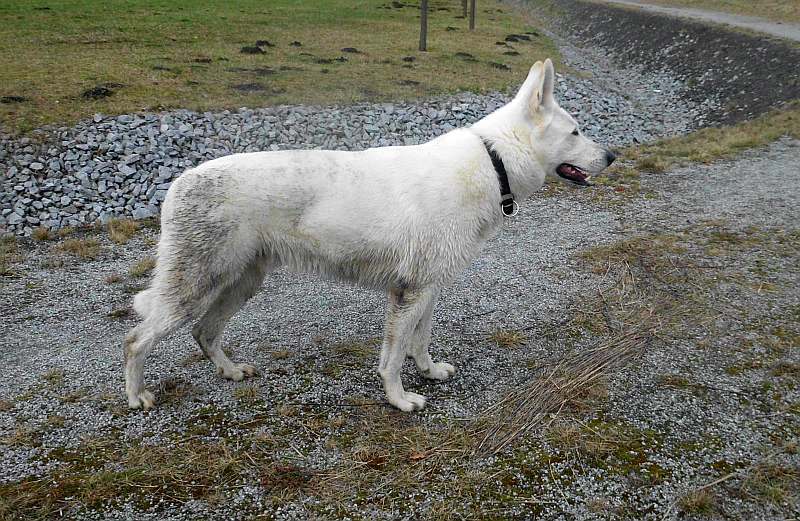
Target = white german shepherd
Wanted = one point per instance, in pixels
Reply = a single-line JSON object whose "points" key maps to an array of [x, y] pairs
{"points": [[404, 219]]}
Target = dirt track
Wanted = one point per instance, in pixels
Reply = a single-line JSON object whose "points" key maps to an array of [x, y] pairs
{"points": [[787, 31]]}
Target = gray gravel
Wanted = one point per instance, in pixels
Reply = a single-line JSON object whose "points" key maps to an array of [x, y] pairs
{"points": [[122, 166], [525, 279]]}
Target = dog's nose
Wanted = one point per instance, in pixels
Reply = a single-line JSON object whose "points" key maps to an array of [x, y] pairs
{"points": [[610, 157]]}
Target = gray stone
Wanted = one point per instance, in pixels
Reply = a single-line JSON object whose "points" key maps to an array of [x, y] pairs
{"points": [[143, 212]]}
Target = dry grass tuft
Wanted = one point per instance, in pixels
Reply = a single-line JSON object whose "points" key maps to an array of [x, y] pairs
{"points": [[183, 471], [677, 381], [74, 396], [41, 234], [288, 479], [55, 420], [699, 502], [120, 312], [9, 254], [121, 230], [790, 369], [246, 393], [54, 376], [280, 354], [66, 231], [88, 249], [508, 338], [356, 349], [175, 390], [771, 481], [654, 163], [113, 278], [142, 267], [23, 436], [287, 410], [528, 406]]}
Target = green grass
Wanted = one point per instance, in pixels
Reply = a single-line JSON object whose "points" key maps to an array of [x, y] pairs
{"points": [[186, 54], [779, 10]]}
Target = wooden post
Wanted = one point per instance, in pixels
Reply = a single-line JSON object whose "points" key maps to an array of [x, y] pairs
{"points": [[472, 15], [423, 26], [464, 8]]}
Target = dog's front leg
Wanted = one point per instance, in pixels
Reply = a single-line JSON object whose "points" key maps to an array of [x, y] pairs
{"points": [[418, 349], [403, 313]]}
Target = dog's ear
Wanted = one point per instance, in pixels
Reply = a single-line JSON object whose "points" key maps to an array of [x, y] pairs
{"points": [[531, 91], [537, 91], [548, 83]]}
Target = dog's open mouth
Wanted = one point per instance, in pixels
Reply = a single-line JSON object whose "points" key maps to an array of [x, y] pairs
{"points": [[573, 173]]}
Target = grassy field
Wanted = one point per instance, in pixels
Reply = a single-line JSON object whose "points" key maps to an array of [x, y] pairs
{"points": [[779, 10], [63, 60]]}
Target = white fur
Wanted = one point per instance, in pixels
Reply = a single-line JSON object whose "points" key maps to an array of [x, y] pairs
{"points": [[405, 220]]}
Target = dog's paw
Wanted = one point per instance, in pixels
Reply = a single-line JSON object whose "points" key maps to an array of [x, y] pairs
{"points": [[144, 400], [239, 372], [439, 371], [408, 402]]}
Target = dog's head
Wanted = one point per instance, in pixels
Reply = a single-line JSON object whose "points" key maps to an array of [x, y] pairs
{"points": [[556, 140]]}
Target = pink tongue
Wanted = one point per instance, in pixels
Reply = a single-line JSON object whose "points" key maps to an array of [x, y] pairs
{"points": [[572, 173]]}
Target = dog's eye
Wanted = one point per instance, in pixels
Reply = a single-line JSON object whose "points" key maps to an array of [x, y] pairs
{"points": [[575, 132]]}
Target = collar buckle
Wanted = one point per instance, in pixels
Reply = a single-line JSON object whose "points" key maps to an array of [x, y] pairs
{"points": [[509, 206]]}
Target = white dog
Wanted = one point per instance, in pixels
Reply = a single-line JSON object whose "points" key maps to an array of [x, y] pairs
{"points": [[403, 219]]}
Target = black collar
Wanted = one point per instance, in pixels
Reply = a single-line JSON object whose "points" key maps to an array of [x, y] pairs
{"points": [[508, 205]]}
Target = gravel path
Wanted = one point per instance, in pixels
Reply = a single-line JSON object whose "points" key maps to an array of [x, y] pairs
{"points": [[63, 358], [788, 31]]}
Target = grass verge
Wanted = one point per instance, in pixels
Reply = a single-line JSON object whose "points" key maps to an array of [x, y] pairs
{"points": [[702, 146], [123, 57]]}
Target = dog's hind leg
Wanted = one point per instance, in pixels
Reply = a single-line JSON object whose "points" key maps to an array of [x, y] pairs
{"points": [[158, 322], [208, 331], [404, 311], [418, 348]]}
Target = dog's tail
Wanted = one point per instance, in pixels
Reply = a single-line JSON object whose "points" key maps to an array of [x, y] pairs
{"points": [[143, 302]]}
